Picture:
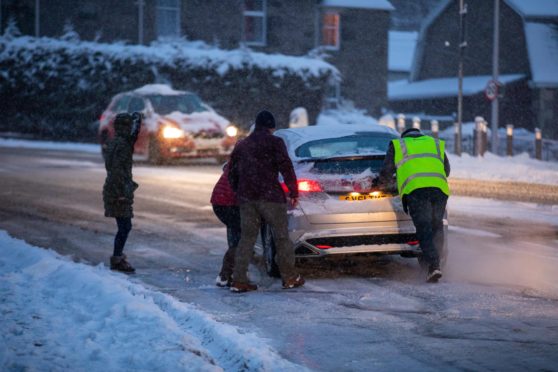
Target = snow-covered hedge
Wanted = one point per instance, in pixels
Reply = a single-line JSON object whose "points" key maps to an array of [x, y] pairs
{"points": [[59, 87]]}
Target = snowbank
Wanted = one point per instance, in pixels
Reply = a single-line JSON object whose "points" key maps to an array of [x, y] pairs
{"points": [[61, 315]]}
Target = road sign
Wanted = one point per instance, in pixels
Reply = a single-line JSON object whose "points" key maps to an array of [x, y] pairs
{"points": [[491, 90]]}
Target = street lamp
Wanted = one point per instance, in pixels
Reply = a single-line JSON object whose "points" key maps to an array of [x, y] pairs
{"points": [[462, 45]]}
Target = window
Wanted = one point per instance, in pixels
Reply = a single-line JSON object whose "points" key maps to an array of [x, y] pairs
{"points": [[254, 28], [330, 30], [168, 18], [122, 104], [136, 104], [333, 94]]}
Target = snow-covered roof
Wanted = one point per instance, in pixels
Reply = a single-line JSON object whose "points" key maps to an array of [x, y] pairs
{"points": [[535, 8], [401, 49], [528, 9], [189, 53], [442, 87], [158, 89], [542, 46], [360, 4]]}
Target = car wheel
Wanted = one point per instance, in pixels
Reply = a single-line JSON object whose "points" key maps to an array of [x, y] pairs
{"points": [[154, 151], [269, 251]]}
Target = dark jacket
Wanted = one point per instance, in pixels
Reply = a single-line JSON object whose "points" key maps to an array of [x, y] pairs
{"points": [[223, 194], [387, 177], [255, 165], [119, 187]]}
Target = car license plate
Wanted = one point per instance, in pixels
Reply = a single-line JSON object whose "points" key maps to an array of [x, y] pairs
{"points": [[356, 196]]}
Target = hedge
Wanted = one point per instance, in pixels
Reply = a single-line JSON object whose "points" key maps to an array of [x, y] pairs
{"points": [[56, 88]]}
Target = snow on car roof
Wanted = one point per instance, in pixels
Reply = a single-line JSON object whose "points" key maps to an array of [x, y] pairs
{"points": [[298, 136], [158, 89]]}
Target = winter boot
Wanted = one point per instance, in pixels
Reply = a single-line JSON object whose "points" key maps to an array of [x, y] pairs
{"points": [[239, 287], [295, 282], [434, 274], [119, 263], [223, 281]]}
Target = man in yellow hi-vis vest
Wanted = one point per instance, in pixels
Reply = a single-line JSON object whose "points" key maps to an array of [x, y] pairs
{"points": [[421, 168]]}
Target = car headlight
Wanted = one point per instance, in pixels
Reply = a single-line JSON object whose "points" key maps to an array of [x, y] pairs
{"points": [[231, 131], [170, 132]]}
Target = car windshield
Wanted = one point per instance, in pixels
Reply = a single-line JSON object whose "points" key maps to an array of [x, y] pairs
{"points": [[185, 103], [358, 144]]}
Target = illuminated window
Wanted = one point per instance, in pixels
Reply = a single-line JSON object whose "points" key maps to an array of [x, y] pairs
{"points": [[254, 28], [330, 30], [168, 18]]}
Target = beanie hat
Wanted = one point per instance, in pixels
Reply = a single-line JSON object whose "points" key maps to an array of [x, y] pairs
{"points": [[410, 130], [265, 119]]}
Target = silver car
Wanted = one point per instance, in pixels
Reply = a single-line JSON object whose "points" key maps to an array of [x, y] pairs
{"points": [[341, 210]]}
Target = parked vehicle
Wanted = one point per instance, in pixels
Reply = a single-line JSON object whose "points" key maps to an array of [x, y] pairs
{"points": [[341, 210], [177, 124]]}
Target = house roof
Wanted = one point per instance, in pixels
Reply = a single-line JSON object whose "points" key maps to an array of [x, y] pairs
{"points": [[535, 8], [542, 46], [360, 4], [442, 87], [401, 49], [541, 38]]}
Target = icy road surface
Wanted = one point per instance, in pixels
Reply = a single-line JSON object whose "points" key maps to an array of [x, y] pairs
{"points": [[496, 307]]}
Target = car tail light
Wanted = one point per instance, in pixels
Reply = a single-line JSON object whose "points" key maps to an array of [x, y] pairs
{"points": [[305, 185], [323, 246], [309, 186], [413, 242]]}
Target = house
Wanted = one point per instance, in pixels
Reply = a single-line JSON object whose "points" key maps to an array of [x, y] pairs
{"points": [[528, 64], [352, 33]]}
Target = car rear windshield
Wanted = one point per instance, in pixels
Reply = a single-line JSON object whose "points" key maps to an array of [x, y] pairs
{"points": [[349, 166], [185, 103], [357, 144]]}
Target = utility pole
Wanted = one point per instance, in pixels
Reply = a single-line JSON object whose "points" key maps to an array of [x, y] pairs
{"points": [[141, 4], [462, 45], [495, 73]]}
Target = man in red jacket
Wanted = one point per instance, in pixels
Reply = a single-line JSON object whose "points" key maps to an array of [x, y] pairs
{"points": [[225, 206], [254, 175]]}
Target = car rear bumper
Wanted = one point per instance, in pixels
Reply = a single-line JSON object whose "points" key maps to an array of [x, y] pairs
{"points": [[394, 236]]}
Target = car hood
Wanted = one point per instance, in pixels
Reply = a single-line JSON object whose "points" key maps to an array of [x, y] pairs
{"points": [[198, 121]]}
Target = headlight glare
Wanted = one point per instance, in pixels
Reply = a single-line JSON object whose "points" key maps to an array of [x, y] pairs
{"points": [[172, 132], [231, 131]]}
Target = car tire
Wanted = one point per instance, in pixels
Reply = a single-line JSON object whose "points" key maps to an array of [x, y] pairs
{"points": [[154, 155], [269, 252]]}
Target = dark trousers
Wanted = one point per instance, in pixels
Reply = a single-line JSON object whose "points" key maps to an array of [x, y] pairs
{"points": [[230, 216], [427, 207], [275, 215], [124, 227]]}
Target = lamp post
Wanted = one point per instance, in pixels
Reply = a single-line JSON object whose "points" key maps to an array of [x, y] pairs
{"points": [[462, 45], [495, 73]]}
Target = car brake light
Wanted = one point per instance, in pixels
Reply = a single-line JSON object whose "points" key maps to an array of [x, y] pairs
{"points": [[323, 246], [309, 186], [413, 242], [305, 186]]}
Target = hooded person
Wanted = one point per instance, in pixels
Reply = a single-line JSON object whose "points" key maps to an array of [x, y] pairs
{"points": [[255, 165], [119, 187], [421, 167]]}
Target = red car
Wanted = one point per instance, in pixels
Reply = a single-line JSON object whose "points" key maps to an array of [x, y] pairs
{"points": [[177, 124]]}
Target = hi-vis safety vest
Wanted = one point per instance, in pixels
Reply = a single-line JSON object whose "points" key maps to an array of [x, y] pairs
{"points": [[420, 163]]}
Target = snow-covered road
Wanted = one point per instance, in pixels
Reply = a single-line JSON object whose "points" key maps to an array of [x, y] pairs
{"points": [[496, 307]]}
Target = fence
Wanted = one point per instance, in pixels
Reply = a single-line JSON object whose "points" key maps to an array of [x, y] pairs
{"points": [[476, 137]]}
